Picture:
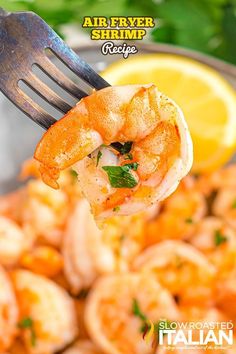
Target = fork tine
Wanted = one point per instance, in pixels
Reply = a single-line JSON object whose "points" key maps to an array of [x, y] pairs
{"points": [[59, 78], [30, 108], [46, 93], [76, 64]]}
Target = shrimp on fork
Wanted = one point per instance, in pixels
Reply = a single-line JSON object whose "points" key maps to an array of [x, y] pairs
{"points": [[130, 146]]}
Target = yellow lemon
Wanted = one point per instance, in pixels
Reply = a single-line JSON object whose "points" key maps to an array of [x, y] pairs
{"points": [[207, 100]]}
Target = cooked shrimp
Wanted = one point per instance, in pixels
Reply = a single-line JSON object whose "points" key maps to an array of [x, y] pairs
{"points": [[217, 240], [89, 251], [156, 155], [187, 202], [44, 212], [226, 295], [11, 204], [119, 305], [17, 347], [80, 302], [67, 179], [12, 242], [179, 214], [8, 312], [48, 310], [182, 269], [83, 347], [225, 177], [81, 241], [43, 260], [205, 237], [224, 205]]}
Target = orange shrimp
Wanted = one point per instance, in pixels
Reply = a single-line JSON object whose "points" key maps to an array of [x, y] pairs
{"points": [[147, 150]]}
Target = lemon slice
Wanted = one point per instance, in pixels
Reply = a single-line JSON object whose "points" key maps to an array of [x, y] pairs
{"points": [[207, 100]]}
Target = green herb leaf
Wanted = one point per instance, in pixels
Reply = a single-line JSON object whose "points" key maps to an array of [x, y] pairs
{"points": [[33, 338], [123, 148], [234, 204], [120, 176], [137, 311], [25, 323], [132, 166], [117, 208], [73, 173], [129, 157], [189, 221], [219, 238], [99, 155]]}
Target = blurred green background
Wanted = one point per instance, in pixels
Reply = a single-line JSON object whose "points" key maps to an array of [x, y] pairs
{"points": [[208, 26]]}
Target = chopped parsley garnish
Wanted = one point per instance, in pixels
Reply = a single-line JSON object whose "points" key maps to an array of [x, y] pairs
{"points": [[132, 165], [137, 311], [219, 238], [73, 173], [25, 323], [234, 204], [117, 208], [158, 326], [99, 155], [129, 157], [189, 221], [121, 176], [122, 148]]}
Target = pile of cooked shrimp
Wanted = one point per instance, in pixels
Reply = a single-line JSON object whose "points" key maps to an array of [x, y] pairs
{"points": [[70, 286]]}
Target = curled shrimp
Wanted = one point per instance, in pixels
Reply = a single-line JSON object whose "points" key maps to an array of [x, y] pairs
{"points": [[224, 205], [226, 295], [118, 307], [182, 269], [43, 260], [8, 312], [179, 214], [149, 152], [48, 310], [12, 242], [83, 347], [81, 239], [217, 240], [44, 212], [88, 251], [222, 178], [11, 204]]}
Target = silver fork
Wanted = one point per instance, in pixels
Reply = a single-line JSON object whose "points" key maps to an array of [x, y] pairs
{"points": [[24, 38]]}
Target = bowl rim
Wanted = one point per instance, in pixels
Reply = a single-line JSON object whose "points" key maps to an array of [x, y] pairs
{"points": [[218, 64]]}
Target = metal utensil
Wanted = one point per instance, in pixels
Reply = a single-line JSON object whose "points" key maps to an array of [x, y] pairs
{"points": [[24, 39]]}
